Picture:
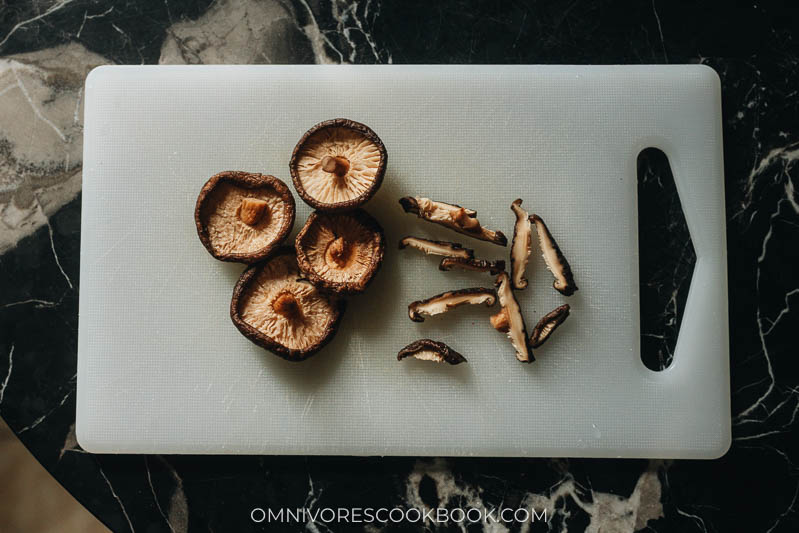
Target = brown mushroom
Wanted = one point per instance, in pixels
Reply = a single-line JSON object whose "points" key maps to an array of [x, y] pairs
{"points": [[243, 217], [278, 310], [430, 350], [522, 245], [548, 324], [441, 303], [553, 257], [340, 252], [510, 320], [445, 248], [475, 265], [338, 165], [451, 216]]}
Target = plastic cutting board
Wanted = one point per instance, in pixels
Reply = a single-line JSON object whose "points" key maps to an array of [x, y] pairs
{"points": [[163, 370]]}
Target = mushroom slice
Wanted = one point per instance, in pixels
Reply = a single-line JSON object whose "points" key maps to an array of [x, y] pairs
{"points": [[430, 350], [476, 265], [278, 310], [441, 303], [445, 248], [338, 165], [548, 324], [451, 216], [521, 247], [340, 252], [243, 217], [553, 257], [510, 320]]}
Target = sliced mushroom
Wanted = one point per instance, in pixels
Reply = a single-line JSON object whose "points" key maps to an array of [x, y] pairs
{"points": [[430, 350], [278, 310], [548, 324], [441, 303], [243, 217], [451, 216], [445, 248], [510, 320], [340, 252], [553, 257], [476, 265], [338, 165], [522, 245]]}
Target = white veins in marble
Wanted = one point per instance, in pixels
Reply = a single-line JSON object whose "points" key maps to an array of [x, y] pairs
{"points": [[346, 16], [4, 384], [309, 504], [49, 11], [660, 31], [609, 513], [155, 496], [273, 32], [177, 517], [783, 155], [70, 443], [318, 39], [55, 255], [789, 510], [247, 32], [42, 418], [774, 167], [117, 498], [86, 17], [38, 303], [41, 136]]}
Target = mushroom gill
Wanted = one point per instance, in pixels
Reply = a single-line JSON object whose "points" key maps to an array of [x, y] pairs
{"points": [[430, 350], [340, 252], [274, 308], [441, 303], [338, 165], [521, 247], [452, 216], [510, 320], [554, 259]]}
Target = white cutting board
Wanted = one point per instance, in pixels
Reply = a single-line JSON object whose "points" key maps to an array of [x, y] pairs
{"points": [[162, 369]]}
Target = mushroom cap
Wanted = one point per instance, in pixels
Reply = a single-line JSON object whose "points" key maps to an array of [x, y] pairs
{"points": [[224, 234], [339, 138], [361, 259], [252, 308]]}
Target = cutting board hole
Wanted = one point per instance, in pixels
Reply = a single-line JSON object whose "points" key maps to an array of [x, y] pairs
{"points": [[666, 259]]}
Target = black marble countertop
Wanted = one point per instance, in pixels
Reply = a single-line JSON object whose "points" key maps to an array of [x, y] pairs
{"points": [[48, 46]]}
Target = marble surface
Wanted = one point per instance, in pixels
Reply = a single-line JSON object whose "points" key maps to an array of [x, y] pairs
{"points": [[47, 47]]}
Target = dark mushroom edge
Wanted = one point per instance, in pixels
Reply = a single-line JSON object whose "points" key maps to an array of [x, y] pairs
{"points": [[475, 265], [451, 216], [339, 255], [337, 167], [258, 337], [445, 248], [430, 350], [250, 211], [554, 259], [441, 303], [548, 324], [521, 246], [509, 320]]}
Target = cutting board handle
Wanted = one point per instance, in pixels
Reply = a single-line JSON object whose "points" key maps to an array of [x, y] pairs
{"points": [[703, 341]]}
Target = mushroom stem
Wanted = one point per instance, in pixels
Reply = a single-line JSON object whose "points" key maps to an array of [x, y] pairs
{"points": [[286, 305], [335, 165], [338, 251], [252, 210], [500, 321]]}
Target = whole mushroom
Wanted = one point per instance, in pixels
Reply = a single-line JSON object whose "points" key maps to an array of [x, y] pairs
{"points": [[338, 165]]}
